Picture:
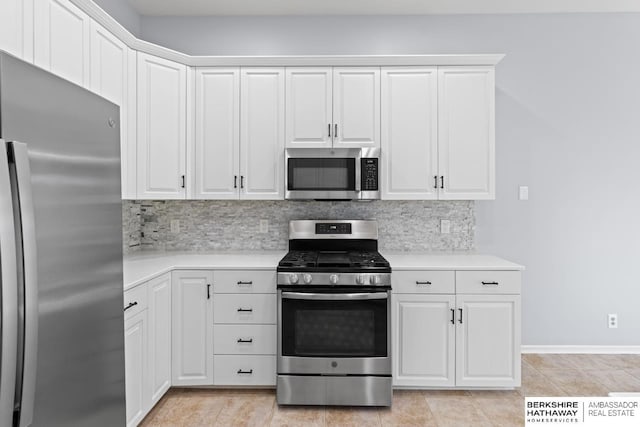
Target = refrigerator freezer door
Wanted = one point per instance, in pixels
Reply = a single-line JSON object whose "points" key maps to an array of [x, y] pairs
{"points": [[74, 154], [9, 296]]}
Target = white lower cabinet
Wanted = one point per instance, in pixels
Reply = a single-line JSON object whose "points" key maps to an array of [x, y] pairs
{"points": [[136, 334], [135, 339], [244, 370], [244, 330], [424, 340], [159, 366], [443, 337], [192, 327]]}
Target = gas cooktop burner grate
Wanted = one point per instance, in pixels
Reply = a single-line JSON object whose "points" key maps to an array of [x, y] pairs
{"points": [[329, 259]]}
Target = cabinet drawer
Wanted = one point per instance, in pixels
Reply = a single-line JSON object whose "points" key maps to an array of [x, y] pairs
{"points": [[245, 281], [244, 308], [488, 282], [244, 339], [244, 370], [136, 300], [423, 282]]}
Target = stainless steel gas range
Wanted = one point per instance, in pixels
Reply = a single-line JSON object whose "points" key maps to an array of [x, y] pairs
{"points": [[334, 317]]}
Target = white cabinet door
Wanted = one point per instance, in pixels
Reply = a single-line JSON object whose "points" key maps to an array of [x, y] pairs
{"points": [[135, 350], [192, 327], [409, 126], [309, 107], [466, 132], [488, 340], [423, 340], [110, 79], [262, 134], [159, 362], [16, 28], [356, 107], [217, 133], [162, 138], [61, 40]]}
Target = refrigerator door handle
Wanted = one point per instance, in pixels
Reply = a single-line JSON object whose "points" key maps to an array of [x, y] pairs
{"points": [[29, 259], [9, 297]]}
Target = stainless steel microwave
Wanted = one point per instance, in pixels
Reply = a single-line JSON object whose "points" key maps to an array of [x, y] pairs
{"points": [[332, 173]]}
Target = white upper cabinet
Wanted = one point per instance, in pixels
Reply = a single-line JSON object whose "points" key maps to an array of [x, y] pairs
{"points": [[61, 40], [110, 78], [333, 107], [409, 133], [356, 107], [16, 28], [217, 133], [466, 132], [438, 137], [161, 121], [239, 133], [262, 133], [309, 107]]}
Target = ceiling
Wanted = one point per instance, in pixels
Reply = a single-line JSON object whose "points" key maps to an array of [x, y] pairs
{"points": [[375, 7]]}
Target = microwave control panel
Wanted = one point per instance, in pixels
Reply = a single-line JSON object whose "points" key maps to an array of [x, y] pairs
{"points": [[369, 171]]}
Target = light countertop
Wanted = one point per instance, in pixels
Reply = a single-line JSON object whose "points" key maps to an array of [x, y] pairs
{"points": [[143, 266]]}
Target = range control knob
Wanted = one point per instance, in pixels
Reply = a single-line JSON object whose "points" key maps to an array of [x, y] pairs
{"points": [[361, 279], [333, 279], [293, 279], [375, 280], [307, 278]]}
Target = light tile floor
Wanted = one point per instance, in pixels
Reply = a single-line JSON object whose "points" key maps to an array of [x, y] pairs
{"points": [[542, 375]]}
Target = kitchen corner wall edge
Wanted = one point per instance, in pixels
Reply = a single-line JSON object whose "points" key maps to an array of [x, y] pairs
{"points": [[95, 12]]}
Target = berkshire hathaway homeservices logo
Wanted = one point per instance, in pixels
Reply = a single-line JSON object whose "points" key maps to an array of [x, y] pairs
{"points": [[582, 411]]}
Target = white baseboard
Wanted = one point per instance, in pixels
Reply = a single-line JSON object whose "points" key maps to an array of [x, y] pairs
{"points": [[582, 349]]}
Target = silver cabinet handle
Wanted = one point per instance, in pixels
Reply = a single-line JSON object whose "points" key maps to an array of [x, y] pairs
{"points": [[335, 130], [23, 178], [315, 296], [9, 288], [247, 341], [240, 282], [235, 181], [182, 185], [241, 372], [245, 310], [422, 283], [329, 126], [241, 181]]}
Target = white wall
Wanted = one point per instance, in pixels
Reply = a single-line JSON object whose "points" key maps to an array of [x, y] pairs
{"points": [[568, 126]]}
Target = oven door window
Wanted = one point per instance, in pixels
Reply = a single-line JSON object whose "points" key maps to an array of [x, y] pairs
{"points": [[330, 328], [321, 174]]}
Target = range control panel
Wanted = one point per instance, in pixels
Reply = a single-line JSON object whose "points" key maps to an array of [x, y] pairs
{"points": [[369, 174], [333, 228]]}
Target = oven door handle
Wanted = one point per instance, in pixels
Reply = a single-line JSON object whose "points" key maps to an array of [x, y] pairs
{"points": [[353, 296]]}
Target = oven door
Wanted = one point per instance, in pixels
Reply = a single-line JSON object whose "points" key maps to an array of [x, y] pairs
{"points": [[337, 333]]}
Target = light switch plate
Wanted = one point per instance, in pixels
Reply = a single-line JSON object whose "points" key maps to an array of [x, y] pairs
{"points": [[445, 226], [175, 226], [264, 226], [523, 193]]}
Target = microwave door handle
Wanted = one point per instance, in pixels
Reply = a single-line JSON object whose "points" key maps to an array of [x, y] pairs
{"points": [[334, 297], [23, 179], [9, 289]]}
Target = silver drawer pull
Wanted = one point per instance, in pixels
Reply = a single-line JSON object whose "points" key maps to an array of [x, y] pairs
{"points": [[131, 304], [241, 372], [240, 282], [245, 310], [249, 341], [490, 283], [422, 283]]}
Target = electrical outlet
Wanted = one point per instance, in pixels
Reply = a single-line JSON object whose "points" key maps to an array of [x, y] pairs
{"points": [[175, 226], [523, 192], [612, 320], [445, 226], [264, 226]]}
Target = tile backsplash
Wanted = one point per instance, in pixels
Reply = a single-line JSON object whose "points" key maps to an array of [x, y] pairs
{"points": [[235, 225]]}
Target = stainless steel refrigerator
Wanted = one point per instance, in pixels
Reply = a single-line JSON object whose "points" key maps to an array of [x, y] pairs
{"points": [[62, 355]]}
